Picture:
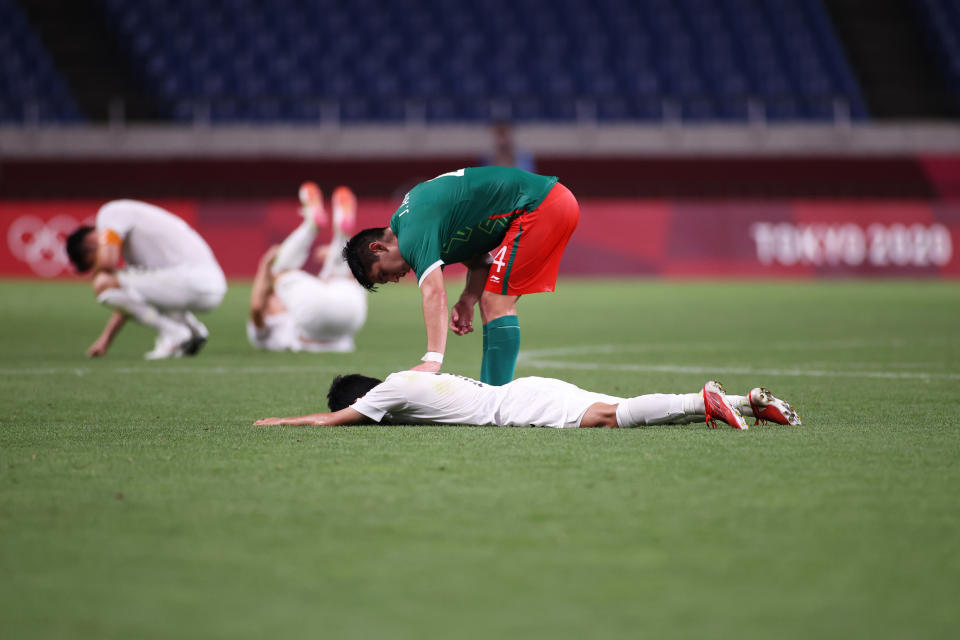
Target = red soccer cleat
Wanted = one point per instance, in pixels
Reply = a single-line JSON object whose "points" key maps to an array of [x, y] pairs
{"points": [[344, 210], [768, 407], [311, 203], [719, 408]]}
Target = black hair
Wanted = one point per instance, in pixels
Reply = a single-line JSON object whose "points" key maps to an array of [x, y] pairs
{"points": [[344, 390], [76, 251], [360, 258]]}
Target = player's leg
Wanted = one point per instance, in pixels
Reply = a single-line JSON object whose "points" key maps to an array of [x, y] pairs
{"points": [[653, 409], [201, 289], [295, 249], [173, 292], [658, 408], [172, 336], [199, 332], [344, 220], [324, 311], [501, 337], [527, 261], [710, 404]]}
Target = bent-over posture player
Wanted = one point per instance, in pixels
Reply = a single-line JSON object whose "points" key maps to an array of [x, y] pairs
{"points": [[416, 397], [170, 272], [509, 227], [292, 310]]}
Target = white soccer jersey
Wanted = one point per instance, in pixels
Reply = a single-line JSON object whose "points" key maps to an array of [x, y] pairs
{"points": [[154, 238], [416, 397]]}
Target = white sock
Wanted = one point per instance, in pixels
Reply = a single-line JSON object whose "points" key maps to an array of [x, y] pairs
{"points": [[693, 404], [145, 313], [742, 403], [650, 409], [196, 327], [335, 266], [295, 249]]}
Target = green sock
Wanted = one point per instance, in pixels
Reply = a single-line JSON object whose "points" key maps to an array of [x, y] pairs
{"points": [[501, 346], [484, 364]]}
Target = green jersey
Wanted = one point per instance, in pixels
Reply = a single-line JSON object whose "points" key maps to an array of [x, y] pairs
{"points": [[463, 214]]}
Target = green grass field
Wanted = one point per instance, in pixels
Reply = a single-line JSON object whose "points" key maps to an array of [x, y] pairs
{"points": [[137, 501]]}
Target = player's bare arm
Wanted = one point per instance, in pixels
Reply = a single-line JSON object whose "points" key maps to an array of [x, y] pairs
{"points": [[102, 343], [106, 261], [461, 315], [262, 285], [434, 298], [337, 418]]}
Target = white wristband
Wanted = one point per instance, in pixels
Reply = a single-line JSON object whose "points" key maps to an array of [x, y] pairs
{"points": [[432, 356]]}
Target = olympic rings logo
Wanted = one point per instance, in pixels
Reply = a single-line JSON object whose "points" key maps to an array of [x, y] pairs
{"points": [[42, 244]]}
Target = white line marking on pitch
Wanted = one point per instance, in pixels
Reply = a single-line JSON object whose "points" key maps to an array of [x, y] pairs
{"points": [[714, 345], [537, 359], [669, 368]]}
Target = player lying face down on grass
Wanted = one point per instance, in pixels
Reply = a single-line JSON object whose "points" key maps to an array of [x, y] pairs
{"points": [[418, 397], [169, 273], [508, 227]]}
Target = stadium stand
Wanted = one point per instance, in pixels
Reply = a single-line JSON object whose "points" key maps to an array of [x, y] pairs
{"points": [[523, 60], [31, 90], [894, 59], [482, 60], [941, 19]]}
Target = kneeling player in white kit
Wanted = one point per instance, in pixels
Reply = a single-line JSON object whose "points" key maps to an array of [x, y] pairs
{"points": [[292, 310], [170, 272], [417, 397]]}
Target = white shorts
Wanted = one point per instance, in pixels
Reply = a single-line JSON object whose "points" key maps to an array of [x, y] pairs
{"points": [[546, 402], [322, 310], [186, 287], [280, 334]]}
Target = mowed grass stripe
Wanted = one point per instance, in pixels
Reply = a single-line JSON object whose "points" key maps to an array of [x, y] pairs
{"points": [[142, 505]]}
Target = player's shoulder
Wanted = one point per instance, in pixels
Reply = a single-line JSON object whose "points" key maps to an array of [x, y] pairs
{"points": [[400, 378], [126, 207]]}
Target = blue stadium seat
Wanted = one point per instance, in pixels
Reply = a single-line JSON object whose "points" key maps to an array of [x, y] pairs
{"points": [[540, 57], [942, 21], [31, 90]]}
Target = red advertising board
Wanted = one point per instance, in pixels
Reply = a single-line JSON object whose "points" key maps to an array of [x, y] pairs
{"points": [[677, 238]]}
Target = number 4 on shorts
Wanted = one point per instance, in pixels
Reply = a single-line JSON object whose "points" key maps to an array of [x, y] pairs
{"points": [[498, 259]]}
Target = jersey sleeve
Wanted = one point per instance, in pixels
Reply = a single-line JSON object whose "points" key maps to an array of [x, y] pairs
{"points": [[116, 217], [384, 398], [422, 252]]}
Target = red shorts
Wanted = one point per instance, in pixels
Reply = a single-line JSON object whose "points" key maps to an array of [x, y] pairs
{"points": [[528, 259]]}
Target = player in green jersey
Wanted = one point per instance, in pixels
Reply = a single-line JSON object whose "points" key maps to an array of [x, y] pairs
{"points": [[508, 227]]}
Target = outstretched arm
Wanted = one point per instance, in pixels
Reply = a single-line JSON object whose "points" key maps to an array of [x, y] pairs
{"points": [[337, 418], [101, 344], [434, 317], [461, 316]]}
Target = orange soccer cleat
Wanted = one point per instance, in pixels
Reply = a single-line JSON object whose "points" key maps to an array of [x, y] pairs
{"points": [[719, 408], [344, 210], [311, 203], [766, 406]]}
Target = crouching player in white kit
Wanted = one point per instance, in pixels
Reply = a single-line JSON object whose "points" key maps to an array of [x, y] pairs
{"points": [[417, 397], [170, 272], [292, 310]]}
